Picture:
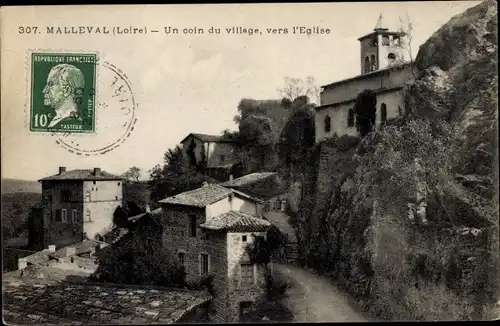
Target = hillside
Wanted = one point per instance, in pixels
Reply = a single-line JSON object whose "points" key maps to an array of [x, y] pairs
{"points": [[407, 220], [17, 185], [15, 210]]}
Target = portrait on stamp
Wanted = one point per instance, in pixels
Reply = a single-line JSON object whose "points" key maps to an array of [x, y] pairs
{"points": [[63, 92]]}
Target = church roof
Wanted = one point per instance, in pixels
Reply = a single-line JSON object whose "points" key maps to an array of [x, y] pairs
{"points": [[380, 23], [393, 67]]}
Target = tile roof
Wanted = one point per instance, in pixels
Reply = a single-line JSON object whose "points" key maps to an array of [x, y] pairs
{"points": [[81, 247], [39, 257], [200, 197], [234, 221], [95, 303], [247, 179], [262, 185], [82, 174], [155, 214], [211, 138]]}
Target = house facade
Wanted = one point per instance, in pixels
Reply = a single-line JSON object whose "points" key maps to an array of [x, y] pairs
{"points": [[77, 204], [216, 154], [383, 70], [208, 233]]}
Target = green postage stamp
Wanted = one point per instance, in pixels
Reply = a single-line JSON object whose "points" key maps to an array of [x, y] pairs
{"points": [[63, 92]]}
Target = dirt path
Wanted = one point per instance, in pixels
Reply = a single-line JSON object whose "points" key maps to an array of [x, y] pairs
{"points": [[313, 298]]}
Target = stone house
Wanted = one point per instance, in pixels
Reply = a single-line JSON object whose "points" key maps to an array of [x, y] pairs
{"points": [[77, 204], [272, 200], [208, 229], [383, 70], [217, 155]]}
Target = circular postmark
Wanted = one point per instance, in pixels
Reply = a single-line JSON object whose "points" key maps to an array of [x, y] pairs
{"points": [[115, 115]]}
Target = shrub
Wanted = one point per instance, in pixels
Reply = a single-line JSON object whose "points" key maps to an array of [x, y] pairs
{"points": [[201, 283], [139, 265], [276, 285]]}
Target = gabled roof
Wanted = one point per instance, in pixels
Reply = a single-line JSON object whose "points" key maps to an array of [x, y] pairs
{"points": [[211, 138], [247, 179], [82, 174], [234, 221], [402, 65], [200, 197], [260, 186], [156, 216]]}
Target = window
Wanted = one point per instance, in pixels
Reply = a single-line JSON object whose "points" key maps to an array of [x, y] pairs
{"points": [[373, 63], [391, 58], [93, 182], [58, 215], [119, 183], [64, 215], [222, 157], [74, 216], [65, 195], [204, 268], [383, 113], [396, 40], [244, 238], [149, 241], [87, 216], [247, 274], [182, 258], [192, 225], [400, 111], [350, 118], [87, 196], [367, 64], [328, 123], [116, 197], [385, 39]]}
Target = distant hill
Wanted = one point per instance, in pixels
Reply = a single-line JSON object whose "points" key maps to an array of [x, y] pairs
{"points": [[16, 185]]}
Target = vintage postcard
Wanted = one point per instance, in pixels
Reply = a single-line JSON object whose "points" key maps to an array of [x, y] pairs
{"points": [[232, 163]]}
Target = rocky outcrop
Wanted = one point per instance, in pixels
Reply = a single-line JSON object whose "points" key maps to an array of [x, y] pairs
{"points": [[458, 81]]}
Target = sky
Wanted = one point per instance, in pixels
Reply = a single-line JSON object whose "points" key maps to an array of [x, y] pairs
{"points": [[186, 83]]}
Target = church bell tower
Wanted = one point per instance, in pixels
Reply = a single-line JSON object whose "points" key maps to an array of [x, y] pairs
{"points": [[381, 48]]}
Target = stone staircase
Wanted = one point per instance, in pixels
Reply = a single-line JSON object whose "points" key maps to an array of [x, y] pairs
{"points": [[292, 253]]}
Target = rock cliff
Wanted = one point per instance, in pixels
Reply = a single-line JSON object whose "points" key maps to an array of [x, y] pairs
{"points": [[458, 81]]}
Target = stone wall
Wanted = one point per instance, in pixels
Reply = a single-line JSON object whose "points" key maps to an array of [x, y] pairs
{"points": [[393, 100], [238, 292], [61, 233]]}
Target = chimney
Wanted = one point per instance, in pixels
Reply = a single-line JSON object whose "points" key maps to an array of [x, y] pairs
{"points": [[22, 263], [62, 169], [52, 248], [230, 177], [148, 209], [97, 172], [204, 184]]}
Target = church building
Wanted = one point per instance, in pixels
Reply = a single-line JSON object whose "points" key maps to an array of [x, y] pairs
{"points": [[383, 70]]}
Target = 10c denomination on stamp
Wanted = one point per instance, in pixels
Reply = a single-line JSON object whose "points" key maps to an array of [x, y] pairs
{"points": [[63, 92]]}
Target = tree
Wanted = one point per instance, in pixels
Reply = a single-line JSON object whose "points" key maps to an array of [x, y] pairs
{"points": [[175, 176], [298, 136], [406, 37], [296, 87], [132, 174], [365, 109], [135, 264]]}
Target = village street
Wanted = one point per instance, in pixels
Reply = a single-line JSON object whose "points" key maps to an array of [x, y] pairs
{"points": [[312, 298]]}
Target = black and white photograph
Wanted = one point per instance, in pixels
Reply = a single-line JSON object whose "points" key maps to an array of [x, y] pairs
{"points": [[249, 163]]}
